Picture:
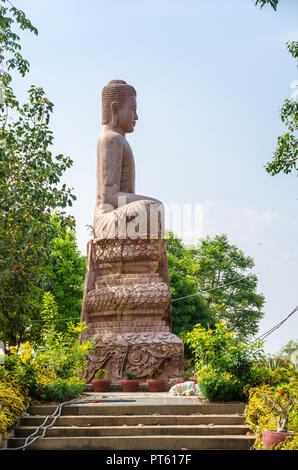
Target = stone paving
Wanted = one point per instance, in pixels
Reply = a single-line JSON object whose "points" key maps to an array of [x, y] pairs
{"points": [[144, 398]]}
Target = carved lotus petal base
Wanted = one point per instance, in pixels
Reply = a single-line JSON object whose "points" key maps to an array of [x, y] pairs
{"points": [[139, 294]]}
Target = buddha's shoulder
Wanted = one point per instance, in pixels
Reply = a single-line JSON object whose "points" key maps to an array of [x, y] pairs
{"points": [[108, 137]]}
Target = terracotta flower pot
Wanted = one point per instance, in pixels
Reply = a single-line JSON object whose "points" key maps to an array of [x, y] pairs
{"points": [[271, 438], [181, 381], [100, 385], [129, 385], [155, 385]]}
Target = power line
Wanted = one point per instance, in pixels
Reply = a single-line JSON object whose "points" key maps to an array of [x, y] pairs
{"points": [[55, 319], [8, 1], [238, 280], [210, 290], [274, 328]]}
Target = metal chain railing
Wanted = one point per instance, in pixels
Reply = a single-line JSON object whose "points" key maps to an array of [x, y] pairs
{"points": [[57, 413]]}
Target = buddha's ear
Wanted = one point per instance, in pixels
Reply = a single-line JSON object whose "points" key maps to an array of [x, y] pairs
{"points": [[114, 112]]}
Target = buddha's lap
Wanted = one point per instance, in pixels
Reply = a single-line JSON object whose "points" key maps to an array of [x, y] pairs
{"points": [[141, 217]]}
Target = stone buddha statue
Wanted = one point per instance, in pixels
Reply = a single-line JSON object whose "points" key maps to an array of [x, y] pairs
{"points": [[120, 213], [127, 301]]}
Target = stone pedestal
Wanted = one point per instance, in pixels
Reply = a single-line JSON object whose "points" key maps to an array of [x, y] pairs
{"points": [[127, 308]]}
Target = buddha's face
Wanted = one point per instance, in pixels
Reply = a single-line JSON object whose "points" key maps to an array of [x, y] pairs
{"points": [[127, 114]]}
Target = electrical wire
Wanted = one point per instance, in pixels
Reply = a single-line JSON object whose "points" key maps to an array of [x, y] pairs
{"points": [[191, 295], [274, 328], [237, 280]]}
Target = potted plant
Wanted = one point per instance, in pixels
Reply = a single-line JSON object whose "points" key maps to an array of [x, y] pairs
{"points": [[154, 383], [99, 383], [280, 402], [130, 384]]}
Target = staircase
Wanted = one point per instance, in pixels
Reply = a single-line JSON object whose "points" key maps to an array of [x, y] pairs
{"points": [[138, 426]]}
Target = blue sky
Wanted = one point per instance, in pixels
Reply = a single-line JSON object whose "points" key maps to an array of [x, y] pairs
{"points": [[210, 77]]}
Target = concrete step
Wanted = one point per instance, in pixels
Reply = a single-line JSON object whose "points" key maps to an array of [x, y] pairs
{"points": [[141, 430], [134, 409], [102, 420], [148, 423], [190, 442]]}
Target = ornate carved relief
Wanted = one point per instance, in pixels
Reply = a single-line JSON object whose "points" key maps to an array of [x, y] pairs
{"points": [[138, 353]]}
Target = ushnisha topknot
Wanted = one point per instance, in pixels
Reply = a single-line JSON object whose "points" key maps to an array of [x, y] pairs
{"points": [[115, 90]]}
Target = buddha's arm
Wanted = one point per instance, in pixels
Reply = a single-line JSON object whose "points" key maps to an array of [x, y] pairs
{"points": [[111, 151]]}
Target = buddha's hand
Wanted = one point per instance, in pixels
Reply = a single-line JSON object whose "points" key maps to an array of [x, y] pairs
{"points": [[142, 208]]}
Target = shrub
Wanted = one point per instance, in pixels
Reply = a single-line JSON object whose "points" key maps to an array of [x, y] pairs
{"points": [[263, 373], [273, 363], [13, 403], [100, 374], [48, 373], [288, 444], [223, 363], [22, 368], [186, 374], [30, 374], [62, 357], [130, 375], [61, 390], [63, 353], [222, 350], [220, 386], [155, 373], [261, 415]]}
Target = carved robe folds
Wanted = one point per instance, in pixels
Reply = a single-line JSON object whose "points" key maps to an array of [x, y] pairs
{"points": [[127, 308]]}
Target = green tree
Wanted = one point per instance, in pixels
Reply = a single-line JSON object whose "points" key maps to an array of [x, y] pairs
{"points": [[210, 282], [285, 157], [30, 189], [229, 289], [65, 272], [191, 307], [289, 348], [272, 3]]}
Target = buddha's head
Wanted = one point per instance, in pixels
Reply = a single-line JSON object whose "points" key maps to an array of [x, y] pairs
{"points": [[119, 107]]}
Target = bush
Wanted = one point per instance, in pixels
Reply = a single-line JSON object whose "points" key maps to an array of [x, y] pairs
{"points": [[63, 354], [31, 375], [100, 374], [155, 373], [60, 357], [266, 372], [13, 403], [288, 444], [222, 362], [22, 368], [261, 416], [61, 390], [130, 375], [220, 387]]}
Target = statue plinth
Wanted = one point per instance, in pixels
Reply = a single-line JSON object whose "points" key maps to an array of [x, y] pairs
{"points": [[126, 307]]}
